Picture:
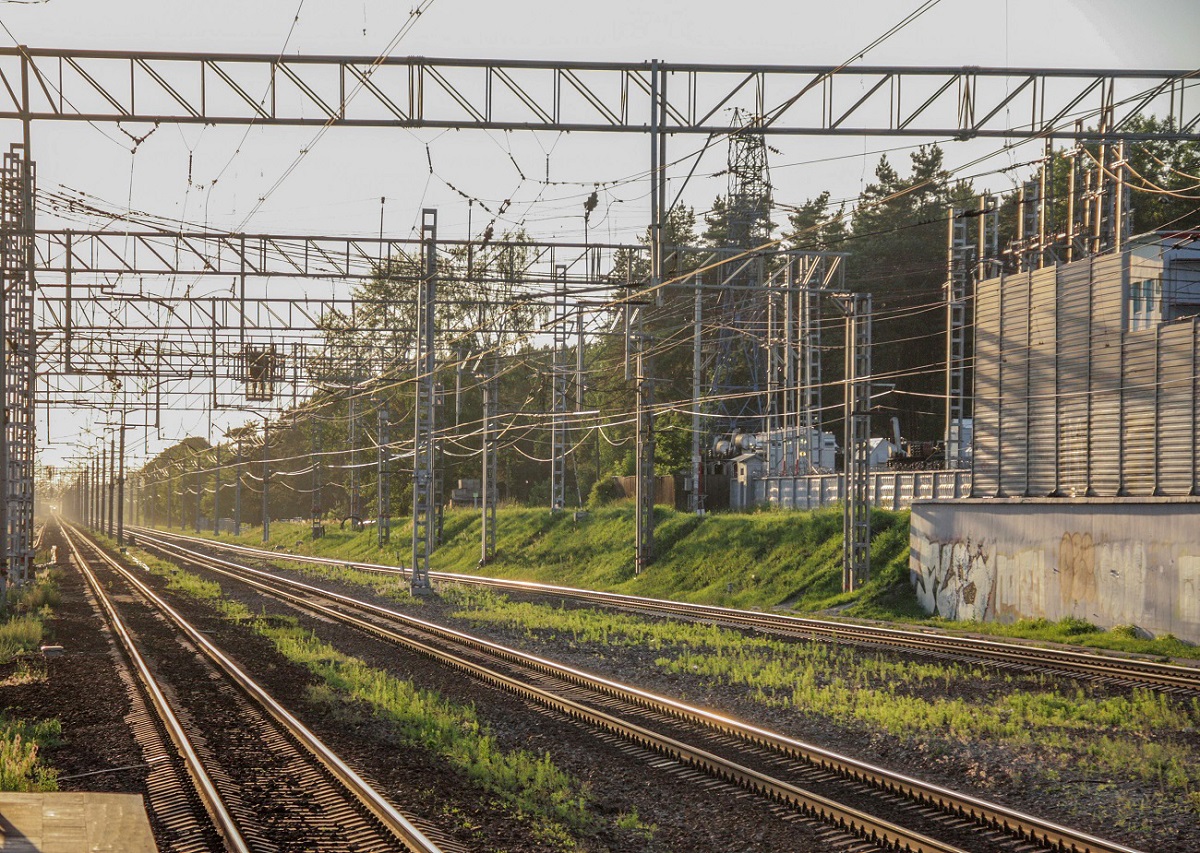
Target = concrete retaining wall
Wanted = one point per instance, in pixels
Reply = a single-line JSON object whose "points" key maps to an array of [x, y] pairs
{"points": [[1109, 561]]}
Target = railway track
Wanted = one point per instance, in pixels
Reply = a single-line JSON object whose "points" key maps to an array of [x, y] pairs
{"points": [[240, 763], [1108, 668], [883, 807]]}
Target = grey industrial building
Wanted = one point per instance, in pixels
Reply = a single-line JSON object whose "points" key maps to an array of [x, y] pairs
{"points": [[1085, 495]]}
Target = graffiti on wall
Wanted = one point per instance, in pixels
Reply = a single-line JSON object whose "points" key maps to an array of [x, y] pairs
{"points": [[959, 582]]}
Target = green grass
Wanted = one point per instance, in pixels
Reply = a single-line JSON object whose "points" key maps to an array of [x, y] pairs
{"points": [[761, 559], [25, 610], [1140, 737], [529, 786], [766, 559], [1122, 638], [21, 768], [21, 633]]}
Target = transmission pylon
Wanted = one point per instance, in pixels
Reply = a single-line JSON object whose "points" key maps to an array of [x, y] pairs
{"points": [[741, 306]]}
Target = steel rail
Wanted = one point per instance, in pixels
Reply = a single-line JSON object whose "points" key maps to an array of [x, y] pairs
{"points": [[1153, 674], [857, 822], [408, 834], [1009, 820], [214, 804]]}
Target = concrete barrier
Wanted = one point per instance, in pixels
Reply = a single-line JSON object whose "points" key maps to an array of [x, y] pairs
{"points": [[1110, 561]]}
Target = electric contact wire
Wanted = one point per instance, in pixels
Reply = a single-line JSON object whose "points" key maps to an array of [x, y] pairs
{"points": [[421, 7]]}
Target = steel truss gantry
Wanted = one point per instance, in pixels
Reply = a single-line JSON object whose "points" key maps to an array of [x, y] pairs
{"points": [[112, 314], [690, 98]]}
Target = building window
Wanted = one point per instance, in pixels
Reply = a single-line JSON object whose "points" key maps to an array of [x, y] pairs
{"points": [[1145, 304]]}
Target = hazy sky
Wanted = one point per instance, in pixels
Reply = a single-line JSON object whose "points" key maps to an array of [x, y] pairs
{"points": [[337, 188]]}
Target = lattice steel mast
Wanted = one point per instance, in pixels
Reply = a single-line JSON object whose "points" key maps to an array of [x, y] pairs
{"points": [[17, 336], [425, 414]]}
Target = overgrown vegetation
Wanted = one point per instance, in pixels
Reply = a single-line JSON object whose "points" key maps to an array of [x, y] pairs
{"points": [[21, 633], [528, 785], [932, 707], [21, 768], [24, 611]]}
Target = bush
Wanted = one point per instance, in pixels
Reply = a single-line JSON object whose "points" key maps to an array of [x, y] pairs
{"points": [[604, 491], [20, 767]]}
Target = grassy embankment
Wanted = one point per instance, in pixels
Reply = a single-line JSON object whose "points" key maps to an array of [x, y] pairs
{"points": [[752, 560], [22, 631]]}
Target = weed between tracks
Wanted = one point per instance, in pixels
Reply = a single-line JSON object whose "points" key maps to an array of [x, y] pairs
{"points": [[555, 804], [1142, 740]]}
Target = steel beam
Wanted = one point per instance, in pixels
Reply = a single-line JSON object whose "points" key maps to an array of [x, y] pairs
{"points": [[423, 92]]}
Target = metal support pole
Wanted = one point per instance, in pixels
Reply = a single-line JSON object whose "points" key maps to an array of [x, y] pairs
{"points": [[237, 490], [656, 223], [1121, 210], [424, 415], [111, 484], [558, 403], [960, 263], [354, 512], [697, 496], [17, 371], [217, 493], [383, 513], [199, 493], [856, 506], [121, 485], [644, 527], [266, 478], [314, 504], [170, 488], [808, 448], [488, 490]]}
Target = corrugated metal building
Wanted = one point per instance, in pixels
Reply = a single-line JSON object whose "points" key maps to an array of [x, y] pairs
{"points": [[1086, 376], [1085, 495]]}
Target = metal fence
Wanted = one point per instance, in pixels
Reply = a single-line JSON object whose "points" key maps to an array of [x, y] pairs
{"points": [[888, 490]]}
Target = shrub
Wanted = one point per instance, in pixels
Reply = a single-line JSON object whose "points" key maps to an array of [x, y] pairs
{"points": [[604, 491]]}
